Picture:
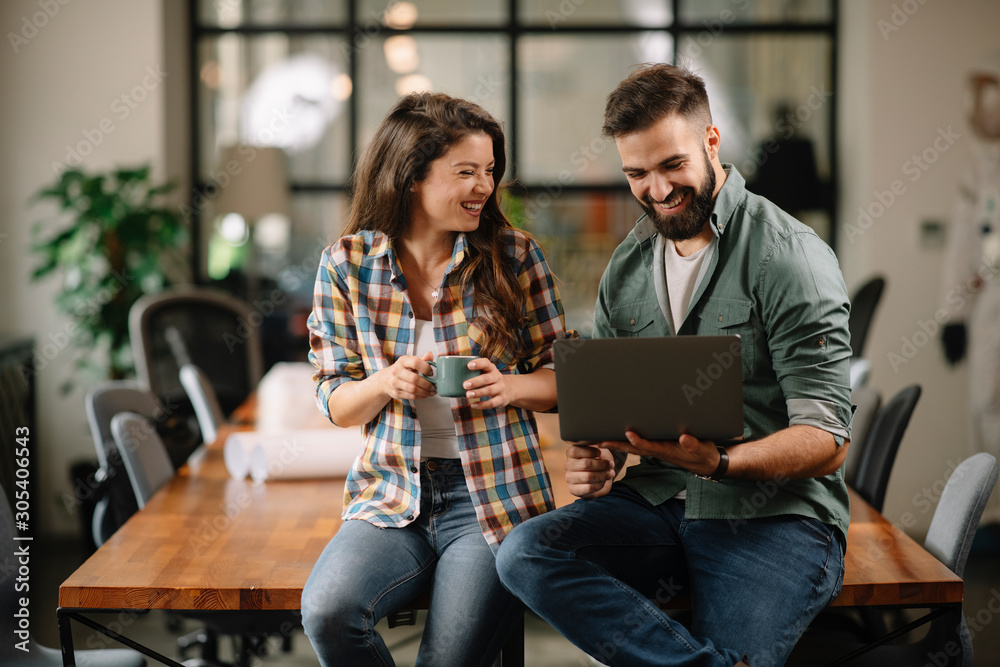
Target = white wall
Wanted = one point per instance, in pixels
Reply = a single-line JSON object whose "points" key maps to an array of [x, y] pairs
{"points": [[899, 89], [61, 83]]}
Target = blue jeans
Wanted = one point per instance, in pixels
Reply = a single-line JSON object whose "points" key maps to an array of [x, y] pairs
{"points": [[595, 570], [366, 573]]}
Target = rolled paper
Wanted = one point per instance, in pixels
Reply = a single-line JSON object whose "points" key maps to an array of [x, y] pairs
{"points": [[302, 454]]}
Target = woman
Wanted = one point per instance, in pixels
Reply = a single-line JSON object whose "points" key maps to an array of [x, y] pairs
{"points": [[429, 266]]}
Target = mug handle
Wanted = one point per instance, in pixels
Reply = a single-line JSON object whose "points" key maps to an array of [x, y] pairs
{"points": [[432, 380]]}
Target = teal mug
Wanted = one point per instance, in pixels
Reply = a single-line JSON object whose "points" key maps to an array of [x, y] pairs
{"points": [[452, 372]]}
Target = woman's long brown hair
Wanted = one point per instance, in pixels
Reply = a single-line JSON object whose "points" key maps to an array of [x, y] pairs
{"points": [[419, 129]]}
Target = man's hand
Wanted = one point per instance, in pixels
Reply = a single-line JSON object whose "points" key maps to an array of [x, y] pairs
{"points": [[590, 471], [699, 456]]}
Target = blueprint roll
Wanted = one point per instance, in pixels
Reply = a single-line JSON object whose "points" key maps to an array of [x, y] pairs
{"points": [[303, 454], [236, 454]]}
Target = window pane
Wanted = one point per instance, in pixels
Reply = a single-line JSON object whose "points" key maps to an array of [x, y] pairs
{"points": [[556, 13], [578, 232], [771, 99], [280, 90], [563, 87], [474, 68], [282, 250], [232, 13], [713, 14], [432, 12]]}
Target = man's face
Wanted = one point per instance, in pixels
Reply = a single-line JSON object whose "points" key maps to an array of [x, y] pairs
{"points": [[671, 176]]}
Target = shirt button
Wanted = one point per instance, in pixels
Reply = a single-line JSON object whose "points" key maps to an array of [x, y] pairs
{"points": [[409, 313], [413, 469], [720, 318], [409, 517], [632, 321], [821, 342]]}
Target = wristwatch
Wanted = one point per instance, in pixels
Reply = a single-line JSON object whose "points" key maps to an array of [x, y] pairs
{"points": [[720, 470]]}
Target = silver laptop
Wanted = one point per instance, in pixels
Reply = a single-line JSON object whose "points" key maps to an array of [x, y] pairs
{"points": [[657, 387]]}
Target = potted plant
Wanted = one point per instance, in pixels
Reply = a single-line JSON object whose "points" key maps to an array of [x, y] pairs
{"points": [[115, 240]]}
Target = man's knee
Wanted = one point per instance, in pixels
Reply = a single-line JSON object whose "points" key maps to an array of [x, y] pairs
{"points": [[517, 556]]}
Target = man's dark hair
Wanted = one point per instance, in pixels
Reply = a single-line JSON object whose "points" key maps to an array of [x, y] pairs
{"points": [[649, 94]]}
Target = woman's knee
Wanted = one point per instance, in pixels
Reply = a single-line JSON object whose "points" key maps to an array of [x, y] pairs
{"points": [[327, 606]]}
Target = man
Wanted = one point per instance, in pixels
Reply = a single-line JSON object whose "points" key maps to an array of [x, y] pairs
{"points": [[754, 532]]}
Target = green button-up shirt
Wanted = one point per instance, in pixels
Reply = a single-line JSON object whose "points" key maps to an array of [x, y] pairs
{"points": [[773, 281]]}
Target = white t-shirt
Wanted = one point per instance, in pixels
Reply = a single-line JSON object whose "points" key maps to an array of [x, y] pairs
{"points": [[682, 278], [437, 427]]}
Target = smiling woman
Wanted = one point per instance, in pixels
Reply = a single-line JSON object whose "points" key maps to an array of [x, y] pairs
{"points": [[430, 266]]}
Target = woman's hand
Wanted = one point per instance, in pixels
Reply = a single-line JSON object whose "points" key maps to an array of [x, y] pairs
{"points": [[491, 387], [402, 379]]}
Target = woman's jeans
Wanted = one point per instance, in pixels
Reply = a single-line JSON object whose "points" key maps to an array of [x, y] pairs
{"points": [[366, 573], [596, 569]]}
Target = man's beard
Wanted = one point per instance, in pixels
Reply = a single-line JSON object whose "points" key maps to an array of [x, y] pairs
{"points": [[688, 223]]}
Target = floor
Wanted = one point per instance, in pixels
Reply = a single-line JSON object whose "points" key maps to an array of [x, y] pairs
{"points": [[52, 563]]}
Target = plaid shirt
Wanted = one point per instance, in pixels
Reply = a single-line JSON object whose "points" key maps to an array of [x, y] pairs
{"points": [[362, 322]]}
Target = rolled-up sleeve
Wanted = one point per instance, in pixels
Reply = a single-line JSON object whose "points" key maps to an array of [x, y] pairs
{"points": [[804, 309], [333, 336]]}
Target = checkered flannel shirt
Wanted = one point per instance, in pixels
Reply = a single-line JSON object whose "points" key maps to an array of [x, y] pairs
{"points": [[362, 322]]}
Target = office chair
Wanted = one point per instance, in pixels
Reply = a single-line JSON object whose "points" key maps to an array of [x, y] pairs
{"points": [[209, 329], [863, 307], [860, 370], [38, 655], [149, 469], [205, 402], [868, 402], [115, 502], [949, 539], [879, 452]]}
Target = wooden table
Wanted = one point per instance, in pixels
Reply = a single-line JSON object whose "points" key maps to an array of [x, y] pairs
{"points": [[210, 542]]}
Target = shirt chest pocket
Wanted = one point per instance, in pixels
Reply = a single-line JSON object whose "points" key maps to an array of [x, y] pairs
{"points": [[726, 317], [634, 319]]}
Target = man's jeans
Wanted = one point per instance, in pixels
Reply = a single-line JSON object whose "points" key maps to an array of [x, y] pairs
{"points": [[596, 569], [366, 573]]}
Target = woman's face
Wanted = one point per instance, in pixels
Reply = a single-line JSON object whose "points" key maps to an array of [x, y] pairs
{"points": [[452, 196]]}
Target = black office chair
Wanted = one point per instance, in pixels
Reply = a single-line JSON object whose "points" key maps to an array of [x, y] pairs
{"points": [[868, 401], [115, 502], [863, 307], [879, 451], [209, 329]]}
